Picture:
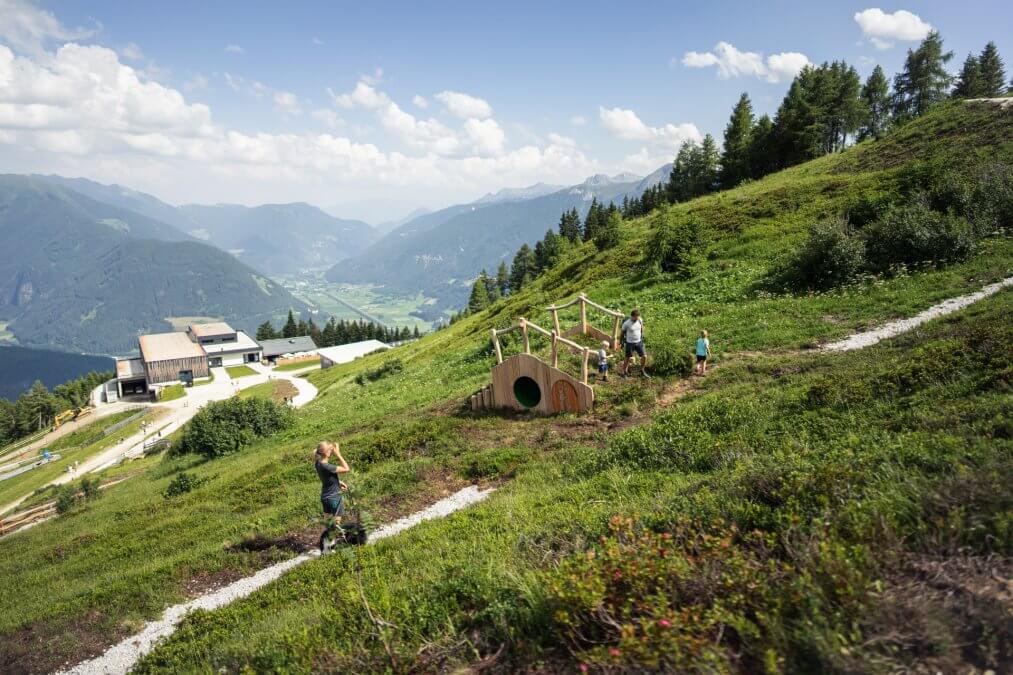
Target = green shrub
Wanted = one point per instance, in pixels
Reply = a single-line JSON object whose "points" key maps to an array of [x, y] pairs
{"points": [[831, 255], [224, 427], [913, 234], [493, 462], [669, 357], [388, 368], [65, 499], [675, 246], [983, 195], [182, 484]]}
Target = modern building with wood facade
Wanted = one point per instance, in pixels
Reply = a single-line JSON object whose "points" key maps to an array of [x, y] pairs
{"points": [[172, 357]]}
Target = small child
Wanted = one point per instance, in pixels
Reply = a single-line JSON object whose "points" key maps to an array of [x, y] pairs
{"points": [[603, 361]]}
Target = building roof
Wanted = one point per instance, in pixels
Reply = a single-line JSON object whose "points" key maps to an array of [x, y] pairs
{"points": [[166, 346], [211, 329], [291, 345], [242, 343], [129, 368], [352, 351]]}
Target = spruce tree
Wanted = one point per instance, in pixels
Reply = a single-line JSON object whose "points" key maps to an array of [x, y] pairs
{"points": [[762, 159], [502, 278], [610, 232], [969, 83], [992, 72], [738, 136], [265, 331], [415, 333], [479, 299], [315, 333], [592, 220], [924, 80], [569, 225], [523, 268], [302, 328], [876, 97], [491, 287], [291, 328]]}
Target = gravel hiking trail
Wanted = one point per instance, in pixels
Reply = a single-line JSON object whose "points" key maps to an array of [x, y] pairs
{"points": [[121, 657]]}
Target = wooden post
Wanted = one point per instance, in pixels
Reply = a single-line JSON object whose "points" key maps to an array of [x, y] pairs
{"points": [[524, 334], [555, 319], [615, 333], [495, 344], [583, 366], [555, 350], [583, 314]]}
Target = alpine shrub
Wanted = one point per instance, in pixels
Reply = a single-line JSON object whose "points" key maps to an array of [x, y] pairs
{"points": [[832, 255], [675, 246], [182, 484], [913, 234], [224, 427]]}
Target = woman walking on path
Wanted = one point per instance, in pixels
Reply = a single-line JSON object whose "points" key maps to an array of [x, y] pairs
{"points": [[703, 352]]}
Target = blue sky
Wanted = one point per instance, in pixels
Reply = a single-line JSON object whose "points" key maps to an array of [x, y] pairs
{"points": [[268, 101]]}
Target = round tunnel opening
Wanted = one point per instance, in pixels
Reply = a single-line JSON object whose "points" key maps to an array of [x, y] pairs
{"points": [[527, 392]]}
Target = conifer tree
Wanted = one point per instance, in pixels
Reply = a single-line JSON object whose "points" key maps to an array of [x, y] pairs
{"points": [[265, 331], [738, 136], [479, 299], [502, 279], [592, 220], [876, 97], [314, 332], [762, 159], [992, 72], [415, 333], [291, 328], [924, 80], [523, 268], [491, 287], [609, 232], [569, 225], [969, 84], [302, 328]]}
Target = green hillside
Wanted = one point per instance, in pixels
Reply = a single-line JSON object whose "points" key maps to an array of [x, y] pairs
{"points": [[792, 512]]}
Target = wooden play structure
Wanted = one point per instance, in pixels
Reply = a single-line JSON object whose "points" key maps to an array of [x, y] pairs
{"points": [[525, 382]]}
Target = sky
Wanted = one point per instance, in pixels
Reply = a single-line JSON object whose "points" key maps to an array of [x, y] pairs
{"points": [[375, 109]]}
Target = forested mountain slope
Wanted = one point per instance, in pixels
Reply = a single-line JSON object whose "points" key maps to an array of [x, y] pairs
{"points": [[794, 511]]}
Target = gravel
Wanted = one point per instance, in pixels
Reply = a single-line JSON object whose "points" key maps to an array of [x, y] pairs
{"points": [[121, 657], [894, 328]]}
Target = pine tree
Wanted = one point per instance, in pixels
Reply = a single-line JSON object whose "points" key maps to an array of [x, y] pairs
{"points": [[328, 336], [502, 280], [315, 333], [592, 220], [969, 84], [610, 232], [491, 287], [924, 81], [738, 136], [265, 331], [569, 225], [523, 268], [992, 72], [876, 97], [762, 159], [415, 333], [479, 299], [291, 328]]}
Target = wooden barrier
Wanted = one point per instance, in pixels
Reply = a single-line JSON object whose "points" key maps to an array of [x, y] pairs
{"points": [[584, 327]]}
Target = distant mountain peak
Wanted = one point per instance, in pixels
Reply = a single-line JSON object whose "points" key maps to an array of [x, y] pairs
{"points": [[604, 179], [512, 194]]}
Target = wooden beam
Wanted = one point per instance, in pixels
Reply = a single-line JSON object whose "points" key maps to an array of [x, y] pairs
{"points": [[583, 365], [615, 332], [495, 344], [524, 335], [583, 314], [555, 320], [555, 349], [610, 312]]}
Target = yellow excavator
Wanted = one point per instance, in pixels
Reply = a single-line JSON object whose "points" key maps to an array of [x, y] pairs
{"points": [[72, 414]]}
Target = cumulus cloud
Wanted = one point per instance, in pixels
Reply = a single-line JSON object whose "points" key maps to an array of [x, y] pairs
{"points": [[363, 96], [419, 101], [234, 49], [732, 62], [132, 52], [627, 125], [328, 118], [464, 106], [28, 28], [884, 29], [287, 102]]}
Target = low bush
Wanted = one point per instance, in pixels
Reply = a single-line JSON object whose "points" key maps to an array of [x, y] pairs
{"points": [[669, 357], [181, 484], [388, 368], [831, 255], [675, 246], [224, 427], [915, 233]]}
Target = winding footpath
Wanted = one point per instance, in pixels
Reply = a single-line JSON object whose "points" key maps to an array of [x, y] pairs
{"points": [[121, 657]]}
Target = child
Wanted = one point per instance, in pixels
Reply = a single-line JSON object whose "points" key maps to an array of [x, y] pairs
{"points": [[603, 361], [703, 352]]}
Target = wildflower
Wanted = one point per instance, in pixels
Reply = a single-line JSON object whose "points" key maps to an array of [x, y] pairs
{"points": [[614, 651], [583, 667], [665, 623]]}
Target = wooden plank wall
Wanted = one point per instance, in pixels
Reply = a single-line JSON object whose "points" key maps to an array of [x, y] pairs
{"points": [[168, 370]]}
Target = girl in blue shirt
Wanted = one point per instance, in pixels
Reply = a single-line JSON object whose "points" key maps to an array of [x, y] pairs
{"points": [[703, 352]]}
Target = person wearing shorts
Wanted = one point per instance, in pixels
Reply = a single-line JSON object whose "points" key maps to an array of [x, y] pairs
{"points": [[703, 352], [330, 485], [603, 361], [633, 331]]}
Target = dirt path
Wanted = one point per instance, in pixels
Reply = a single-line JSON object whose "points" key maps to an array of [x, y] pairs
{"points": [[121, 657]]}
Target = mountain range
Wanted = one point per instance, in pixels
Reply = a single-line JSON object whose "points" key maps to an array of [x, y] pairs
{"points": [[82, 275], [441, 252]]}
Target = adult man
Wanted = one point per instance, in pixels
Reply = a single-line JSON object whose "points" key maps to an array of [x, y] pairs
{"points": [[633, 331]]}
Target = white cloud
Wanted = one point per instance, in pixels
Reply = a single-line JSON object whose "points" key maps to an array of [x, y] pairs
{"points": [[363, 96], [28, 28], [420, 101], [374, 79], [241, 85], [234, 49], [731, 62], [464, 106], [884, 29], [132, 52], [287, 102], [328, 118], [565, 141], [625, 124], [578, 120], [197, 83], [486, 136]]}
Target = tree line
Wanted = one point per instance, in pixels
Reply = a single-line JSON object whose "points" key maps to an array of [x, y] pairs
{"points": [[826, 107], [36, 408], [336, 332]]}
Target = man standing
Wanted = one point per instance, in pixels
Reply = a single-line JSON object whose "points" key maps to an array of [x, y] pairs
{"points": [[633, 331]]}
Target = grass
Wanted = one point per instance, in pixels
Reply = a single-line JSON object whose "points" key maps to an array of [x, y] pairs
{"points": [[856, 468], [171, 392], [240, 371], [275, 390], [299, 365], [76, 447]]}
